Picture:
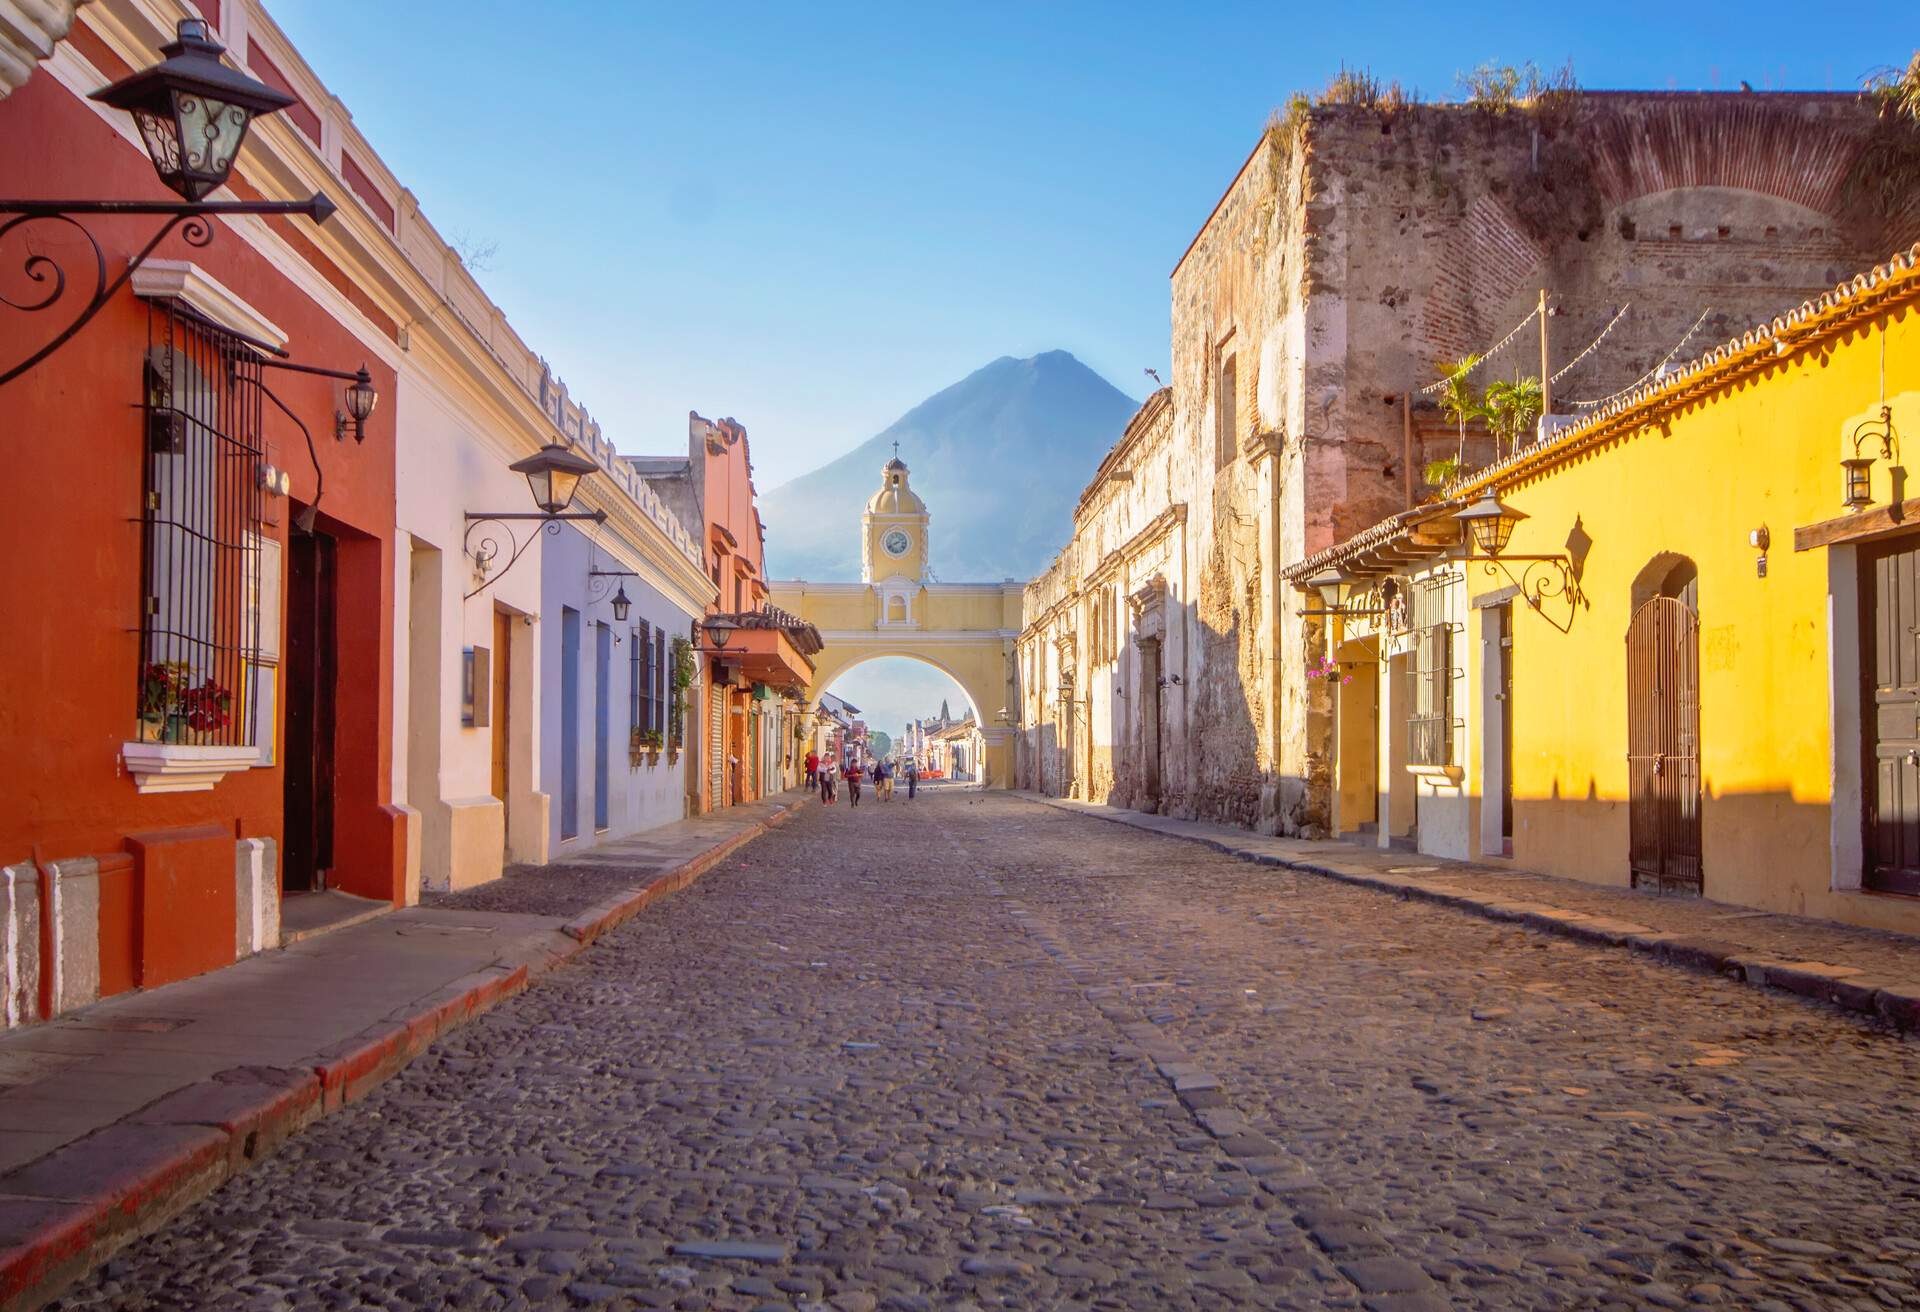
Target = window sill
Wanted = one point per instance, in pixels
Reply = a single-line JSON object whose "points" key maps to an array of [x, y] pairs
{"points": [[1452, 773], [174, 768]]}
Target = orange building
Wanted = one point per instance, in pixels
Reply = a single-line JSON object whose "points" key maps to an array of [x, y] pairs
{"points": [[197, 674], [755, 660]]}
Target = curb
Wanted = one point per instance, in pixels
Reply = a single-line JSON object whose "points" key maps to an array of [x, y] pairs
{"points": [[1896, 1002], [598, 919], [65, 1213]]}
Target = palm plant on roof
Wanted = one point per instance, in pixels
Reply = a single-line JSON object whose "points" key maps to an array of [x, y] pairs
{"points": [[1460, 402], [1511, 409]]}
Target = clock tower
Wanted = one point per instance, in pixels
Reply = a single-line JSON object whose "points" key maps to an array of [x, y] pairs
{"points": [[894, 542]]}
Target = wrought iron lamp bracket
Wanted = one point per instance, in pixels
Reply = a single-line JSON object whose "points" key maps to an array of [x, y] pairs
{"points": [[1542, 579], [487, 549], [47, 273]]}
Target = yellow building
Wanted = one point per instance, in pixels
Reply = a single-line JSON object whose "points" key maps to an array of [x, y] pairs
{"points": [[898, 609], [1694, 665]]}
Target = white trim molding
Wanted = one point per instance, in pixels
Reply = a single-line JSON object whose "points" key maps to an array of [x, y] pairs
{"points": [[205, 295], [175, 768], [29, 31]]}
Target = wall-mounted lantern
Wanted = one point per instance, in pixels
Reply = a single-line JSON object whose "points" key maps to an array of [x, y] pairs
{"points": [[720, 629], [1490, 523], [553, 475], [1328, 583], [1858, 469], [193, 112]]}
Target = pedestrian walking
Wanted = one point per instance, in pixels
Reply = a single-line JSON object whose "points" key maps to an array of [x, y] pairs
{"points": [[854, 775], [882, 781], [813, 768], [913, 778], [826, 782]]}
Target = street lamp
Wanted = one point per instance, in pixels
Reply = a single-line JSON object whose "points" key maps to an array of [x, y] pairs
{"points": [[621, 605], [1489, 524], [193, 110], [1491, 521], [1859, 468], [720, 628], [554, 473]]}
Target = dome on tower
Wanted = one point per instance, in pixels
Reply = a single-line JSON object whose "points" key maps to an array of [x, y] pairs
{"points": [[894, 496]]}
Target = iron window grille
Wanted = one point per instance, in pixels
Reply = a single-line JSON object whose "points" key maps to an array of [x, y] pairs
{"points": [[658, 681], [200, 678], [1430, 728], [641, 676]]}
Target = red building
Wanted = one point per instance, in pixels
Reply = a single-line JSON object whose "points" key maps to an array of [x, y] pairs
{"points": [[198, 694]]}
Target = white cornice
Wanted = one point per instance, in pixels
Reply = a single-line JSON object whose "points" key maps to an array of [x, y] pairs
{"points": [[193, 286], [29, 32]]}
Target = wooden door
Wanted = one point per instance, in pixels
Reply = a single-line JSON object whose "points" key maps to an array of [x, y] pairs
{"points": [[1150, 723], [569, 722], [1890, 591], [1503, 684], [310, 674], [502, 680], [1663, 746]]}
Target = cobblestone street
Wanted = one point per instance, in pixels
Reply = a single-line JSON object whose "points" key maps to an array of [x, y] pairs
{"points": [[971, 1051]]}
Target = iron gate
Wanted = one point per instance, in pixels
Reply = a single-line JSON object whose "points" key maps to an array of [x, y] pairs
{"points": [[1663, 746]]}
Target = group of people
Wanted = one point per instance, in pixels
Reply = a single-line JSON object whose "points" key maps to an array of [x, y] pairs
{"points": [[826, 775]]}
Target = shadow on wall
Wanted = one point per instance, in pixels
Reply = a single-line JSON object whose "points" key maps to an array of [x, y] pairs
{"points": [[1763, 848], [1177, 736]]}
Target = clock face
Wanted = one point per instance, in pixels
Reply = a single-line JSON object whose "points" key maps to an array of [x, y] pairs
{"points": [[896, 542]]}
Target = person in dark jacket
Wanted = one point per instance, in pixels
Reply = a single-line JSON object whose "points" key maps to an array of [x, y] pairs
{"points": [[913, 777], [854, 775], [813, 768]]}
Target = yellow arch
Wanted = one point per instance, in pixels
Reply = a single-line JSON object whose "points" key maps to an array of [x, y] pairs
{"points": [[966, 631]]}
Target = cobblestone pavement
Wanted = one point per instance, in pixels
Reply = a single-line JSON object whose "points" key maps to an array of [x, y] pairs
{"points": [[974, 1052]]}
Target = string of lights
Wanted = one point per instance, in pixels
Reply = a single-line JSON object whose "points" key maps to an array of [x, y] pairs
{"points": [[1594, 344], [1498, 347], [1652, 373]]}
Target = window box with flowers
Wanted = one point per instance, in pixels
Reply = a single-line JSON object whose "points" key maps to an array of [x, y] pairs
{"points": [[643, 746], [183, 726]]}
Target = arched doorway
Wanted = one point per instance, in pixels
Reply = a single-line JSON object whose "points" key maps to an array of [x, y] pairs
{"points": [[1663, 729]]}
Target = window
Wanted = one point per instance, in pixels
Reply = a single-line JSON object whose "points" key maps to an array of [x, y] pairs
{"points": [[1226, 419], [1430, 727], [635, 679], [200, 676]]}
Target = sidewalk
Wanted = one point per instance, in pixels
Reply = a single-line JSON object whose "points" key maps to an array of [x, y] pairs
{"points": [[1863, 970], [116, 1117]]}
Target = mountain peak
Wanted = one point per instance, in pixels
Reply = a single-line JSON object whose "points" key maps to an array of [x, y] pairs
{"points": [[999, 456]]}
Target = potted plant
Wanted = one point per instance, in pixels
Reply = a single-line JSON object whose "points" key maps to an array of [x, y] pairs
{"points": [[163, 686], [1322, 667], [208, 708], [650, 741]]}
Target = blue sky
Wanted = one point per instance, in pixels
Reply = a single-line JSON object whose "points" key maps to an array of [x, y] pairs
{"points": [[811, 217]]}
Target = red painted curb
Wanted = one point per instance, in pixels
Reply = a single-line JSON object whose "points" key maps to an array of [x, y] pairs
{"points": [[74, 1206], [597, 920], [67, 1212]]}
